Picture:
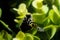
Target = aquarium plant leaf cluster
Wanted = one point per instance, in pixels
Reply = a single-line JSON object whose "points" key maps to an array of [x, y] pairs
{"points": [[25, 36], [35, 19], [5, 36]]}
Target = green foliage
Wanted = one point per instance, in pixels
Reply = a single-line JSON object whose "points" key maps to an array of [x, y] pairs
{"points": [[53, 14], [22, 11], [38, 18], [5, 25], [52, 28], [20, 35], [25, 36], [28, 37], [5, 36], [46, 14], [37, 4]]}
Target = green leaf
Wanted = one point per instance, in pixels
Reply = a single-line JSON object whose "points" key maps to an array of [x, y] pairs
{"points": [[45, 8], [36, 38], [28, 37], [56, 10], [37, 4], [19, 22], [22, 10], [55, 18], [5, 36], [0, 12], [20, 35], [53, 29], [38, 18]]}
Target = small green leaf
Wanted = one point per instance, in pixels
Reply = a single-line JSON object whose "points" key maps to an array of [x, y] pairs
{"points": [[53, 28], [22, 10], [38, 18], [56, 10], [20, 35], [51, 12], [55, 18], [0, 12], [19, 22], [5, 36], [45, 8], [28, 37], [37, 4]]}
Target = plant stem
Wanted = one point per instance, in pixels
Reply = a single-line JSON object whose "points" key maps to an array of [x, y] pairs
{"points": [[5, 25]]}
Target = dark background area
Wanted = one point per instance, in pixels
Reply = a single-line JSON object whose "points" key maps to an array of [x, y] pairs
{"points": [[8, 16]]}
